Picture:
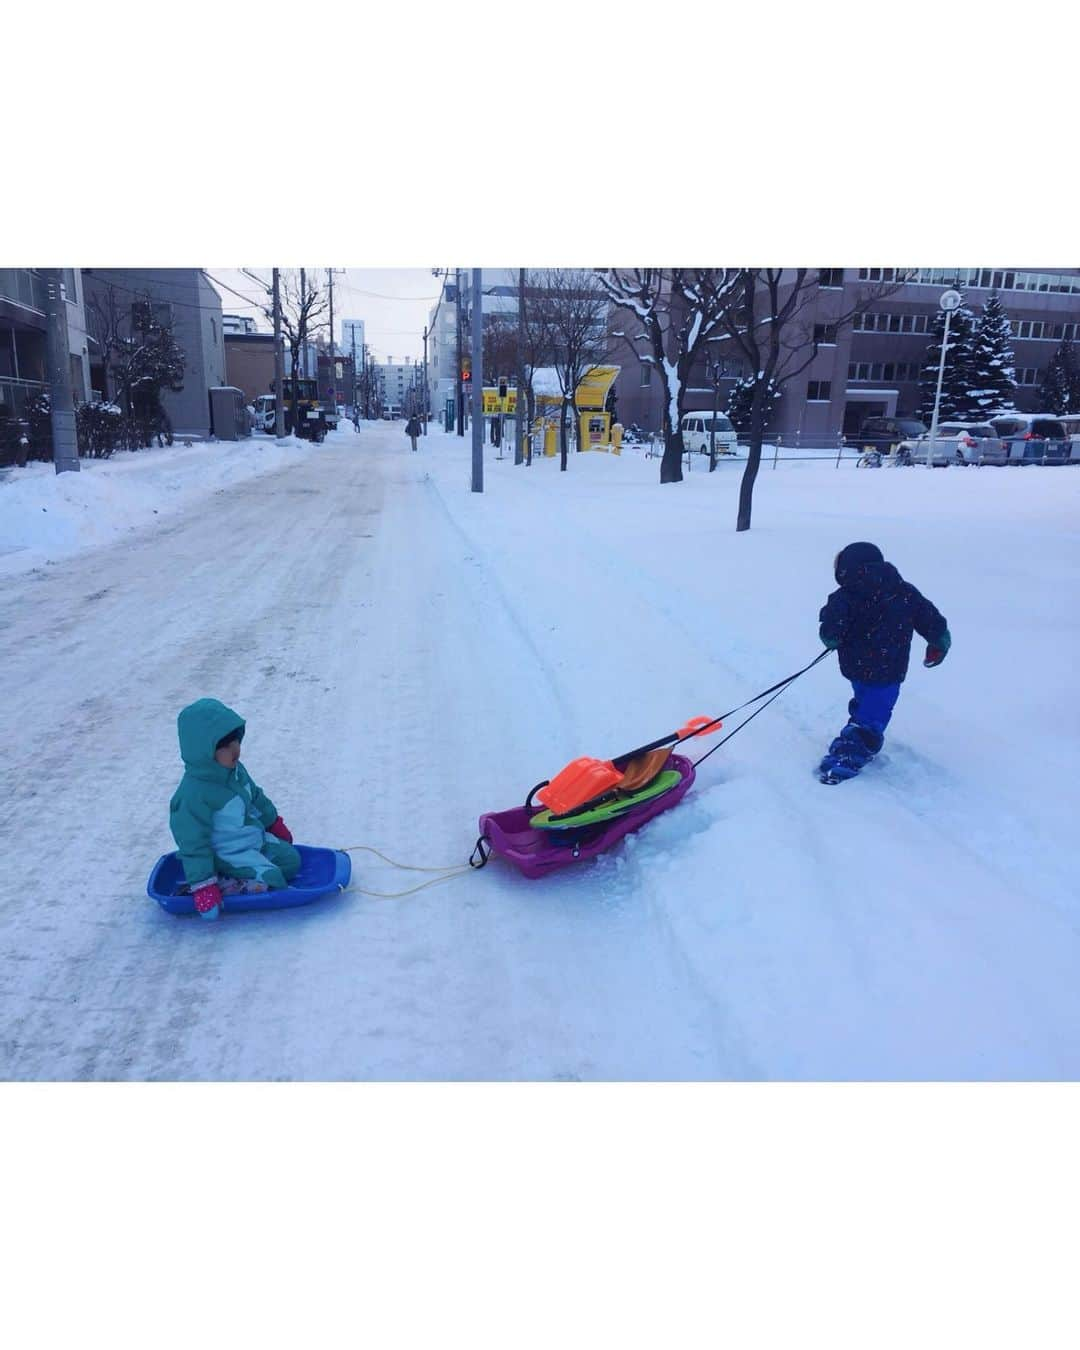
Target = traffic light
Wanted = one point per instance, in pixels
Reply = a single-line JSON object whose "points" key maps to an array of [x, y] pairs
{"points": [[466, 369], [502, 389]]}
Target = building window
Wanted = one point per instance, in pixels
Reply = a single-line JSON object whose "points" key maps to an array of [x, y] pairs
{"points": [[646, 376], [817, 391], [825, 334], [213, 330], [831, 278]]}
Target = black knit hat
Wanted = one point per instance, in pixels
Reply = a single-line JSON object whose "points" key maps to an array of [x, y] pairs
{"points": [[854, 556], [237, 735]]}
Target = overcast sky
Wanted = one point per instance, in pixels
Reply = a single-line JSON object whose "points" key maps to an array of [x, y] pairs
{"points": [[394, 303]]}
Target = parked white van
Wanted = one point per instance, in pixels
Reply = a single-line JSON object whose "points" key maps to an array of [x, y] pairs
{"points": [[697, 430]]}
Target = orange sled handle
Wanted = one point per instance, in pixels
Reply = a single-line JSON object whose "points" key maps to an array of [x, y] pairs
{"points": [[699, 726]]}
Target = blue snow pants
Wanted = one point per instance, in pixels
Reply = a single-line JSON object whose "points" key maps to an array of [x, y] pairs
{"points": [[868, 716]]}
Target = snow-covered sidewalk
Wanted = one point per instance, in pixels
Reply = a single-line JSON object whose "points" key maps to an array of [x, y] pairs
{"points": [[45, 516], [409, 654]]}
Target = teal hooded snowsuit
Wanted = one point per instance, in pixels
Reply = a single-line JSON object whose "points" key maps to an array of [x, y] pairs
{"points": [[218, 816]]}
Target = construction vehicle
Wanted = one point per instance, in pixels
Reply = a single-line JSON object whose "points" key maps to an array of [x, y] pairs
{"points": [[312, 421]]}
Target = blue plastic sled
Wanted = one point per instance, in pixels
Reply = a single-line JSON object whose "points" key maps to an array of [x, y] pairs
{"points": [[322, 872]]}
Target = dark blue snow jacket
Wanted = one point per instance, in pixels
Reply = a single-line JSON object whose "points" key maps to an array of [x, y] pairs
{"points": [[872, 617]]}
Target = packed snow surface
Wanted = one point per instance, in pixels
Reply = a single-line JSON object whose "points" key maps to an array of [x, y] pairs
{"points": [[409, 654]]}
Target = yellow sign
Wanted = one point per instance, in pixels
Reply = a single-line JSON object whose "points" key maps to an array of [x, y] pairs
{"points": [[494, 405]]}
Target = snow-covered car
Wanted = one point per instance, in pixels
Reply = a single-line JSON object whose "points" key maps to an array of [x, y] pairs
{"points": [[955, 443], [698, 430], [1026, 438]]}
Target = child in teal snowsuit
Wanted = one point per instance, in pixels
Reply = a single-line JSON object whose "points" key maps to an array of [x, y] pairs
{"points": [[223, 823]]}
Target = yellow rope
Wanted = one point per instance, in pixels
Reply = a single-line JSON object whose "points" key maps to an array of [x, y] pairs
{"points": [[448, 874]]}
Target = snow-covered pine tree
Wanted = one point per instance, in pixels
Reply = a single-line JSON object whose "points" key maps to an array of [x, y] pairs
{"points": [[1060, 389], [993, 373], [742, 396], [956, 384], [1054, 390]]}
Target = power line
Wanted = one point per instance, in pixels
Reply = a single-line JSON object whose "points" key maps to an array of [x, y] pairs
{"points": [[218, 282], [406, 299], [183, 304]]}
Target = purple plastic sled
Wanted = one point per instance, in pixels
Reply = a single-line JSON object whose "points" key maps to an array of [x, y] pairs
{"points": [[535, 853]]}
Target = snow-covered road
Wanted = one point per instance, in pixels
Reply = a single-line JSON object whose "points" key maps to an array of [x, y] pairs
{"points": [[408, 654]]}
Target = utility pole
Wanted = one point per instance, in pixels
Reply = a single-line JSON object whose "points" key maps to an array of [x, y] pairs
{"points": [[301, 364], [61, 402], [354, 409], [477, 381], [279, 363], [333, 367], [459, 402], [302, 325], [425, 393], [519, 439]]}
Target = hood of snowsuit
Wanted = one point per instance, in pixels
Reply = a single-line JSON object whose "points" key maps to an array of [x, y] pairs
{"points": [[200, 726]]}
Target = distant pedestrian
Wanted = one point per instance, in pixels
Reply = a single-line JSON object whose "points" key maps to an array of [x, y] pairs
{"points": [[412, 429]]}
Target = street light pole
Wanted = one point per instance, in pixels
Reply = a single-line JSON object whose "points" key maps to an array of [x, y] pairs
{"points": [[61, 402], [279, 363], [333, 369], [459, 402], [949, 301], [714, 372], [477, 381], [519, 421]]}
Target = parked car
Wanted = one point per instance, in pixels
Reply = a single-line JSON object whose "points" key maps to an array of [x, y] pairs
{"points": [[885, 433], [1071, 423], [1026, 438], [698, 430], [955, 443]]}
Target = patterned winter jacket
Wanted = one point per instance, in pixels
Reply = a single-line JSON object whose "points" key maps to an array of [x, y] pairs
{"points": [[217, 815], [873, 615]]}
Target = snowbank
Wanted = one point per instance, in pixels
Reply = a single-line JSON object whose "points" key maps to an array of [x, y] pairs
{"points": [[45, 516]]}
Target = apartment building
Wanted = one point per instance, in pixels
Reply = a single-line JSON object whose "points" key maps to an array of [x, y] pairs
{"points": [[23, 329], [400, 383], [871, 367], [184, 299]]}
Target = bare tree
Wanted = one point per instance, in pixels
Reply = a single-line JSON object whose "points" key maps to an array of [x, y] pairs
{"points": [[500, 347], [573, 310], [536, 354], [770, 324], [105, 317], [302, 310], [678, 310]]}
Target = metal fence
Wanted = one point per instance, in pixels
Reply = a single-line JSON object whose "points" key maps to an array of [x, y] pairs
{"points": [[789, 448]]}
